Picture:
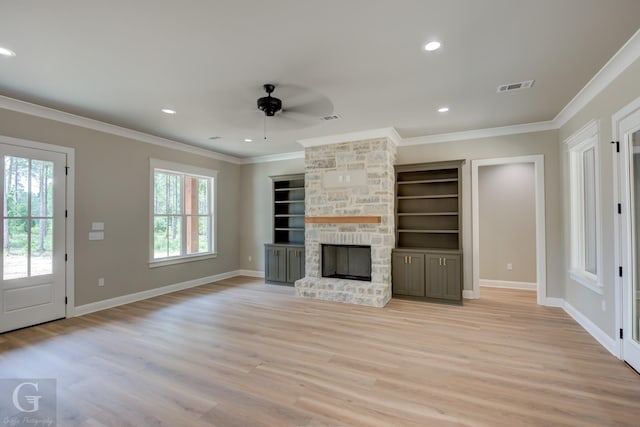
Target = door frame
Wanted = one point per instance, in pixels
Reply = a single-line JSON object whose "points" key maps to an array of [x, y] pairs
{"points": [[70, 205], [541, 261], [622, 245]]}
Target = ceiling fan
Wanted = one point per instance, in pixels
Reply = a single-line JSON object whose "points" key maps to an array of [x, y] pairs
{"points": [[269, 104], [295, 107]]}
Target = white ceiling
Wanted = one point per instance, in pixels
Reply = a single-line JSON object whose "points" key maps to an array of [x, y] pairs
{"points": [[122, 61]]}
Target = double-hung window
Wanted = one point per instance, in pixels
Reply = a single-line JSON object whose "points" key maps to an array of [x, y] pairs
{"points": [[182, 212], [586, 254]]}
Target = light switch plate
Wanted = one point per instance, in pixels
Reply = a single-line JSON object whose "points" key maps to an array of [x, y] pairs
{"points": [[96, 235], [97, 226]]}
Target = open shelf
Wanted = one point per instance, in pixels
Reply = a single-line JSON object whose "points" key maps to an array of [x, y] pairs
{"points": [[288, 209], [428, 206]]}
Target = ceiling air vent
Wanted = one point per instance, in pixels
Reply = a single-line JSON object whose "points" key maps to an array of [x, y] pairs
{"points": [[515, 86], [331, 117]]}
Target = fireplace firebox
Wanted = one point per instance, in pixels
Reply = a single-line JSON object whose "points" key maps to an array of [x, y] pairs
{"points": [[346, 262]]}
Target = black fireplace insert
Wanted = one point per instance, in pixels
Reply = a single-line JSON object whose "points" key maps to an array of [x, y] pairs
{"points": [[346, 262]]}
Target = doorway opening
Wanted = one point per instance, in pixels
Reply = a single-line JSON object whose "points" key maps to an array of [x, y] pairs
{"points": [[506, 254]]}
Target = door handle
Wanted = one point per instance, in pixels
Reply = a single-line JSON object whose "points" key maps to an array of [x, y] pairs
{"points": [[444, 261], [410, 257], [440, 260]]}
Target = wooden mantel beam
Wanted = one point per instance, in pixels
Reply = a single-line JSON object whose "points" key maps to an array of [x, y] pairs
{"points": [[343, 219]]}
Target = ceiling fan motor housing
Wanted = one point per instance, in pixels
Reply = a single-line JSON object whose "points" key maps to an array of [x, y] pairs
{"points": [[269, 104]]}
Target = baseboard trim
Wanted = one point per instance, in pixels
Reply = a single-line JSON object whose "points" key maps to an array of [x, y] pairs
{"points": [[529, 286], [554, 302], [250, 273], [468, 294], [605, 340], [138, 296]]}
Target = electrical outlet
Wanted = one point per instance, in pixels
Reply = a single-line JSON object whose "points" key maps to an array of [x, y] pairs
{"points": [[101, 281], [250, 258], [604, 305], [509, 266]]}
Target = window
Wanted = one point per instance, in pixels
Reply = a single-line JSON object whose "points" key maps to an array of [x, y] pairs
{"points": [[584, 208], [182, 213]]}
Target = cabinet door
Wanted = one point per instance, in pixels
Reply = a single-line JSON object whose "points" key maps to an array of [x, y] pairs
{"points": [[408, 274], [399, 274], [451, 280], [295, 264], [434, 288], [443, 277], [275, 264]]}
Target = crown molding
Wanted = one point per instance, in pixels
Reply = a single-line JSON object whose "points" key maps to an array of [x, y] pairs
{"points": [[273, 157], [72, 119], [389, 133], [627, 54], [622, 59], [480, 133]]}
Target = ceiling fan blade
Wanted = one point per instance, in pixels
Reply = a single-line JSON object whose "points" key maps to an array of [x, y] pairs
{"points": [[286, 121]]}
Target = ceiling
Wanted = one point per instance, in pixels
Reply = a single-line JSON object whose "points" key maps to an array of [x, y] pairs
{"points": [[121, 62]]}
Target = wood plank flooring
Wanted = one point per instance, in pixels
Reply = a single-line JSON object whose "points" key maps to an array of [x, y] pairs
{"points": [[242, 353]]}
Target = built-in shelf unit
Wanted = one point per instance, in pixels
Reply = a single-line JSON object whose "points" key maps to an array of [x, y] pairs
{"points": [[284, 258], [428, 224]]}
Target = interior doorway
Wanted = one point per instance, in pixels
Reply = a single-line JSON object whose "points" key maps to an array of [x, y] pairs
{"points": [[535, 277]]}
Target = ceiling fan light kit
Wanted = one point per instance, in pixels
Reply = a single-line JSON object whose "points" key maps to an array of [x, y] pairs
{"points": [[268, 104]]}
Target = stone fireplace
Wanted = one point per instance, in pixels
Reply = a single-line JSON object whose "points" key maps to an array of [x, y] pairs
{"points": [[349, 200]]}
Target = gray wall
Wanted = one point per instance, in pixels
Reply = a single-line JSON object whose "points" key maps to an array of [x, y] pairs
{"points": [[112, 186], [507, 219], [619, 93], [256, 216], [256, 188]]}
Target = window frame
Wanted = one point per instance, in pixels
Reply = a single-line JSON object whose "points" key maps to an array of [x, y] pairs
{"points": [[577, 145], [182, 170]]}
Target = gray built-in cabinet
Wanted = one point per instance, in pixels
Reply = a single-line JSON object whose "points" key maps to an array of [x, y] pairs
{"points": [[284, 258], [427, 261]]}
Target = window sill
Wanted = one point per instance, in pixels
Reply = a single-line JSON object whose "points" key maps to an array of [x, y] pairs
{"points": [[589, 281], [180, 260]]}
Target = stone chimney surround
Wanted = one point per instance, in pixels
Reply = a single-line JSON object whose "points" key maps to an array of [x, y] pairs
{"points": [[349, 200]]}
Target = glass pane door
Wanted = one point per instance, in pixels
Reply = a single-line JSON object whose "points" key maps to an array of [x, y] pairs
{"points": [[27, 218]]}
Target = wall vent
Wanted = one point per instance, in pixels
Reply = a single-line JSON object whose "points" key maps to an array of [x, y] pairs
{"points": [[331, 117], [515, 86]]}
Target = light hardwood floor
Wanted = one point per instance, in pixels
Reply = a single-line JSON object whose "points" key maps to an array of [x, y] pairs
{"points": [[241, 353]]}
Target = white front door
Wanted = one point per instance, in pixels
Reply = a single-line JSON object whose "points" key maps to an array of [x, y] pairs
{"points": [[32, 236], [629, 169]]}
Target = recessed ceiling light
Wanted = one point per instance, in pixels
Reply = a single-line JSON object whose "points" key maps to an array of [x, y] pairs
{"points": [[6, 52], [431, 46], [248, 140], [168, 111], [443, 109]]}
